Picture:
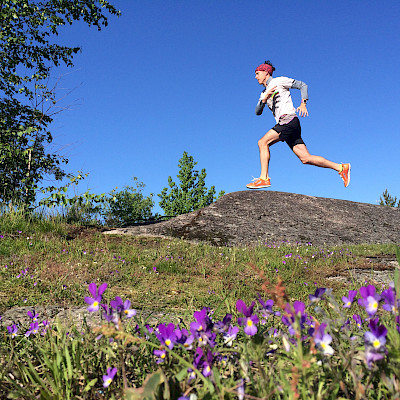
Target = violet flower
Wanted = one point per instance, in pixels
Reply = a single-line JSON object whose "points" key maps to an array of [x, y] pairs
{"points": [[12, 330], [203, 361], [166, 335], [376, 337], [161, 355], [371, 356], [249, 321], [223, 326], [94, 301], [183, 338], [123, 307], [375, 341], [266, 309], [298, 309], [357, 320], [370, 299], [389, 297], [34, 328], [110, 315], [230, 335], [108, 378], [33, 315], [348, 300], [202, 328], [323, 340], [318, 295]]}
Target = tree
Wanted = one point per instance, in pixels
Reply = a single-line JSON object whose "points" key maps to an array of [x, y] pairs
{"points": [[191, 194], [27, 56], [388, 200], [129, 205]]}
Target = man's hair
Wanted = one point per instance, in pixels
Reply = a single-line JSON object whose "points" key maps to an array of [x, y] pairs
{"points": [[270, 63]]}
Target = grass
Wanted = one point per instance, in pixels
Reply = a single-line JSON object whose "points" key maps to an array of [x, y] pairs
{"points": [[46, 262]]}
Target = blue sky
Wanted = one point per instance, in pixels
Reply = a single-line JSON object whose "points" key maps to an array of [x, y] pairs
{"points": [[169, 77]]}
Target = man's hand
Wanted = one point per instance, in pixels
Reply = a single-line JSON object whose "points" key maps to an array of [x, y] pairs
{"points": [[268, 94], [302, 110]]}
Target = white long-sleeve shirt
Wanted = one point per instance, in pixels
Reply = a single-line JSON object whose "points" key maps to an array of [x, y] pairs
{"points": [[281, 103]]}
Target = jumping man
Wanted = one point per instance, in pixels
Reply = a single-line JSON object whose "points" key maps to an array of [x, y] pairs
{"points": [[276, 95]]}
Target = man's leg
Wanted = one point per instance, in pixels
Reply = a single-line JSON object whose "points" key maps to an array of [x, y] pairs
{"points": [[306, 158], [264, 143]]}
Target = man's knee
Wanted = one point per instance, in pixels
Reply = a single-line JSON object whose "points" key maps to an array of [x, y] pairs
{"points": [[262, 144], [306, 159]]}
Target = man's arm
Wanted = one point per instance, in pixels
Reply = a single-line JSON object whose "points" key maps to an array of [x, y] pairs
{"points": [[260, 107], [263, 99], [303, 87]]}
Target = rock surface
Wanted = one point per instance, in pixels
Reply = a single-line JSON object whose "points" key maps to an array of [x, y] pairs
{"points": [[250, 217]]}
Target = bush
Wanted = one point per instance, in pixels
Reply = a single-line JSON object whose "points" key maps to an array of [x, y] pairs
{"points": [[191, 193], [128, 206]]}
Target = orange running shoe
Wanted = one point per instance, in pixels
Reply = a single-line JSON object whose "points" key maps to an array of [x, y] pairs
{"points": [[345, 174], [259, 183]]}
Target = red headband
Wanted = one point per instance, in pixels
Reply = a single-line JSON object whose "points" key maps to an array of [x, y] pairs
{"points": [[265, 67]]}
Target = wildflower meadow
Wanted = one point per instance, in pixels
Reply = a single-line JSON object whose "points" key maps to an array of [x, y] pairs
{"points": [[279, 336]]}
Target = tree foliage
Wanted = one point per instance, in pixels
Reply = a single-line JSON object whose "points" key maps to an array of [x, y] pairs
{"points": [[128, 206], [28, 54], [191, 192], [388, 200]]}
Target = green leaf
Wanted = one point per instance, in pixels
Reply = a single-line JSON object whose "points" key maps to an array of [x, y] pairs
{"points": [[90, 385], [69, 365], [180, 376], [149, 390]]}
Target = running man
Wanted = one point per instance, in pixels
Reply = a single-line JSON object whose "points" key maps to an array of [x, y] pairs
{"points": [[276, 95]]}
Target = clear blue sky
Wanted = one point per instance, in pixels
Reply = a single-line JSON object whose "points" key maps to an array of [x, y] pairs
{"points": [[169, 77]]}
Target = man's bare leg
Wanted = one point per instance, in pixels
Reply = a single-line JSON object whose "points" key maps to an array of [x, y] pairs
{"points": [[267, 140], [305, 157]]}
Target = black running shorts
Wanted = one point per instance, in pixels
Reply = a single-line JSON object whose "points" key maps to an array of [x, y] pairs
{"points": [[290, 132]]}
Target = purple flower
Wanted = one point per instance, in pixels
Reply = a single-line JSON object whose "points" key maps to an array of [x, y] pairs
{"points": [[223, 326], [375, 341], [348, 300], [390, 298], [266, 308], [230, 335], [110, 315], [323, 340], [33, 329], [123, 307], [371, 356], [12, 330], [166, 335], [298, 309], [376, 337], [202, 329], [358, 320], [32, 315], [161, 355], [108, 378], [370, 299], [183, 338], [46, 326], [203, 361], [94, 301], [318, 295], [249, 321]]}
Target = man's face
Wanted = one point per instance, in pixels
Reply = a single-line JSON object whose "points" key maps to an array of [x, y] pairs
{"points": [[261, 77]]}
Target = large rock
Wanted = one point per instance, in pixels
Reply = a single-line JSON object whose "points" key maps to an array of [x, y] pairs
{"points": [[250, 217]]}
